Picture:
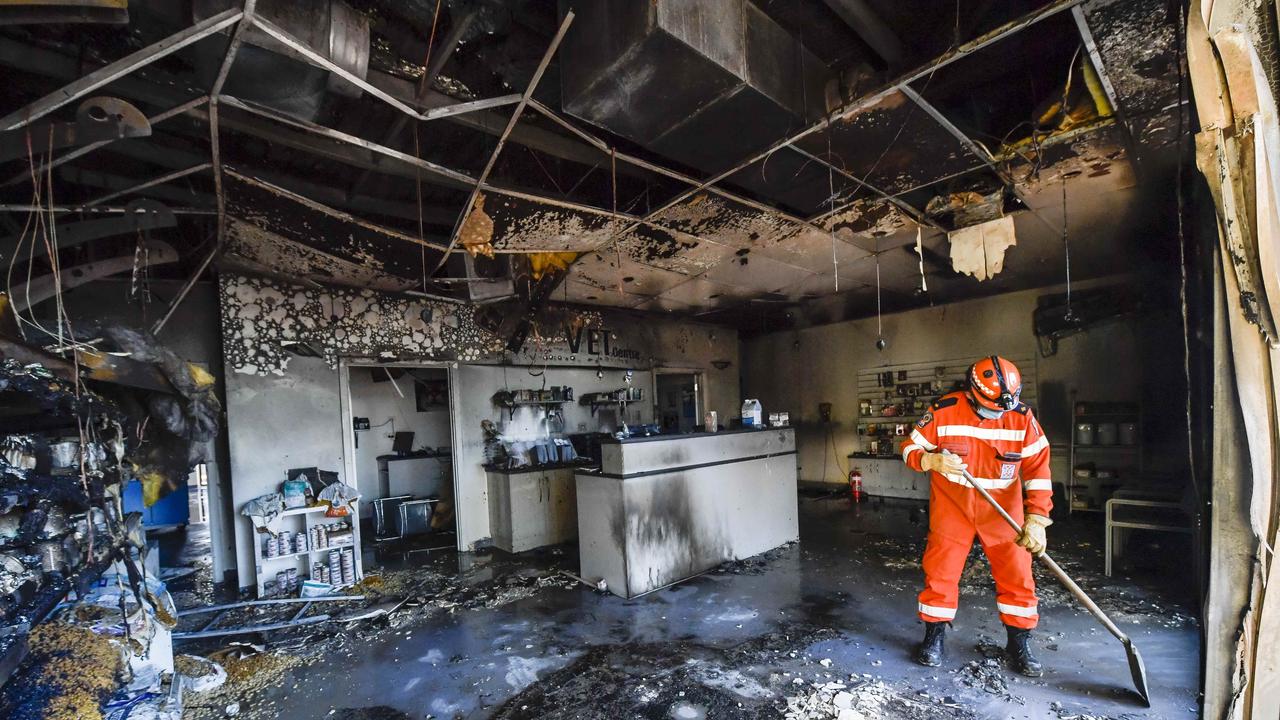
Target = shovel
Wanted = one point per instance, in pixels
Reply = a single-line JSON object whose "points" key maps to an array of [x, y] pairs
{"points": [[1136, 667]]}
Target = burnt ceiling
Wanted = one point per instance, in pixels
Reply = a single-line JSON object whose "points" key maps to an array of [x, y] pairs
{"points": [[757, 162]]}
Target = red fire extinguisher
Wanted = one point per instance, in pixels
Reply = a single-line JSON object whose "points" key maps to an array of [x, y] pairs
{"points": [[855, 485]]}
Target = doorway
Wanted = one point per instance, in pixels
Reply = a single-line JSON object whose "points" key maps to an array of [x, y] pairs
{"points": [[398, 452], [678, 401]]}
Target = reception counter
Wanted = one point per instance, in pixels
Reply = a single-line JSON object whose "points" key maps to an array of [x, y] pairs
{"points": [[665, 508]]}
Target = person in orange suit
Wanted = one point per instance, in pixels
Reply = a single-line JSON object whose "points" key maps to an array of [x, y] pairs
{"points": [[988, 431]]}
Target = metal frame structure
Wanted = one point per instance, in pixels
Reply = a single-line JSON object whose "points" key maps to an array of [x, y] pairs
{"points": [[247, 18]]}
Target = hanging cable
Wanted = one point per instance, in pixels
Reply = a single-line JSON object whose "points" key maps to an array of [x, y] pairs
{"points": [[1066, 250], [831, 201]]}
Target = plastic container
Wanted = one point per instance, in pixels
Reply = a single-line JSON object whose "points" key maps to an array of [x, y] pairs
{"points": [[751, 413], [1085, 433], [711, 422], [1107, 434]]}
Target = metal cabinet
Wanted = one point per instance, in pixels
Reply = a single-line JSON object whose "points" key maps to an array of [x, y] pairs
{"points": [[533, 508]]}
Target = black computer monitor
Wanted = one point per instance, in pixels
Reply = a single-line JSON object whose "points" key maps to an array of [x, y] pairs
{"points": [[403, 443]]}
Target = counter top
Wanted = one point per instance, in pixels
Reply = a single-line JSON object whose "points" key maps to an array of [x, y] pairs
{"points": [[416, 455], [581, 465], [689, 436], [869, 456]]}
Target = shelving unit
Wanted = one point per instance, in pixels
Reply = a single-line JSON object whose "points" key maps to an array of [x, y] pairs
{"points": [[941, 377], [1125, 461], [621, 397], [302, 520]]}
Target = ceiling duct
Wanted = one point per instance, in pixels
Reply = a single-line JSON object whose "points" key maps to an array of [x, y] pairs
{"points": [[275, 75], [680, 76]]}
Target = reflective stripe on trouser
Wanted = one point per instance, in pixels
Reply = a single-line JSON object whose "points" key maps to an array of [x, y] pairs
{"points": [[944, 559]]}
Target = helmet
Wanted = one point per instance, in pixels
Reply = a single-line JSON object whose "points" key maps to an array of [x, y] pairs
{"points": [[995, 384]]}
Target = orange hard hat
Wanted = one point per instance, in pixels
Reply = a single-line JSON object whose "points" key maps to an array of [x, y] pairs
{"points": [[995, 383]]}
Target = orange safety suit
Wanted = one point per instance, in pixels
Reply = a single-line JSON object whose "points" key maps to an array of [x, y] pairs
{"points": [[957, 512]]}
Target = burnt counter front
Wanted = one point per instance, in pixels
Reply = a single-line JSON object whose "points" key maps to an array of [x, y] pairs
{"points": [[665, 508]]}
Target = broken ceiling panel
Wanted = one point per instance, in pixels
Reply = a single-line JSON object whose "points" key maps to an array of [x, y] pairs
{"points": [[328, 231], [524, 224], [1092, 161], [726, 222], [979, 250], [253, 249], [670, 250], [1137, 40], [865, 221], [893, 146]]}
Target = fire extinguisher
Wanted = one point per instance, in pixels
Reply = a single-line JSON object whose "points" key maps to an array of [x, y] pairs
{"points": [[855, 485]]}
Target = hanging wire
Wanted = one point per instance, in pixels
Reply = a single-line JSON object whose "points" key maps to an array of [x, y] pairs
{"points": [[1066, 249], [831, 201]]}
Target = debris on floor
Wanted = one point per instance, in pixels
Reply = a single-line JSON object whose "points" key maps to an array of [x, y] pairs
{"points": [[71, 671], [867, 700]]}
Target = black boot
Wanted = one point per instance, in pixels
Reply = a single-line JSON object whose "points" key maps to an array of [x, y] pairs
{"points": [[1020, 657], [929, 652]]}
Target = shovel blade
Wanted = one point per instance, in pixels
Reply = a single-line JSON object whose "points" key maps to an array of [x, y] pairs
{"points": [[1138, 670]]}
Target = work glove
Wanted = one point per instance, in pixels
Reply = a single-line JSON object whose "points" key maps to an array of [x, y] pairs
{"points": [[945, 463], [1033, 536]]}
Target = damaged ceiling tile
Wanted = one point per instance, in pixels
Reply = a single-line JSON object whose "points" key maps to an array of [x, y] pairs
{"points": [[252, 248], [525, 224], [726, 222], [671, 250], [1093, 159], [979, 250], [866, 220]]}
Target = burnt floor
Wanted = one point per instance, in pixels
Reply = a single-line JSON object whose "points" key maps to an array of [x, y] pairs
{"points": [[737, 642]]}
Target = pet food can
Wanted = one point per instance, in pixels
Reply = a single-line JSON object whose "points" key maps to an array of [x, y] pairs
{"points": [[300, 544], [1084, 433]]}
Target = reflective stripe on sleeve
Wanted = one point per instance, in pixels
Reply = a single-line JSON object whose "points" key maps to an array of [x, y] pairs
{"points": [[1037, 484], [938, 612], [985, 483], [1017, 611], [1035, 447], [981, 433], [906, 451], [920, 440]]}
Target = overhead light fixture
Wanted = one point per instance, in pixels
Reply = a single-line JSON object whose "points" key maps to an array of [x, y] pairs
{"points": [[720, 364]]}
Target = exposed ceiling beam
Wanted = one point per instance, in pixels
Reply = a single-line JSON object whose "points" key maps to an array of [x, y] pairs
{"points": [[118, 69], [502, 139], [977, 150], [111, 182], [864, 102], [333, 212], [1104, 78], [917, 215], [167, 177], [447, 47], [46, 166], [97, 209], [867, 23], [215, 141]]}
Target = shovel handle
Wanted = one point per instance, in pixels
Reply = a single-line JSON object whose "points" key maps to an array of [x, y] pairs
{"points": [[1057, 570]]}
